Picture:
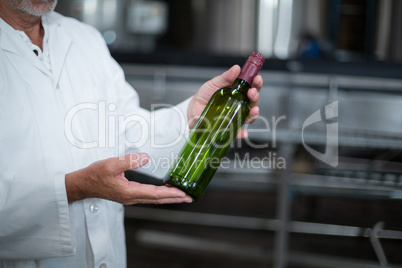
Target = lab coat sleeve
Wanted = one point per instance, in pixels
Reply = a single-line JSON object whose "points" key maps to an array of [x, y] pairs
{"points": [[160, 133]]}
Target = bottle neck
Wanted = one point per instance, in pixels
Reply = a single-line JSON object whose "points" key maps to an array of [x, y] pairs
{"points": [[241, 85]]}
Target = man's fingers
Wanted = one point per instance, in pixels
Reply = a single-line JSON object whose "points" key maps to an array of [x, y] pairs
{"points": [[145, 193], [169, 200], [253, 115], [257, 82], [242, 134], [253, 93], [253, 96]]}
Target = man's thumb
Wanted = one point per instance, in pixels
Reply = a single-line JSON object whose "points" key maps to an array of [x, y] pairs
{"points": [[133, 161]]}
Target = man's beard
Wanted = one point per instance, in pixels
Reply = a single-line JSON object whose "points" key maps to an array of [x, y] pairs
{"points": [[37, 10]]}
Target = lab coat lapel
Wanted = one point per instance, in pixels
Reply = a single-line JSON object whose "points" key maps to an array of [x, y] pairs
{"points": [[12, 42], [59, 45]]}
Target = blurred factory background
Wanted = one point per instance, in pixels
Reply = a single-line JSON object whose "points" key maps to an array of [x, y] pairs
{"points": [[319, 183]]}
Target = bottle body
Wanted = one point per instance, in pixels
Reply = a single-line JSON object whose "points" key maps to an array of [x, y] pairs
{"points": [[210, 139], [214, 132]]}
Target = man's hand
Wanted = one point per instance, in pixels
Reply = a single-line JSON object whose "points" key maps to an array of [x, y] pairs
{"points": [[105, 179], [201, 98]]}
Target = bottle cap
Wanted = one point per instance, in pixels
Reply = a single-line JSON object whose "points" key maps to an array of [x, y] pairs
{"points": [[252, 66]]}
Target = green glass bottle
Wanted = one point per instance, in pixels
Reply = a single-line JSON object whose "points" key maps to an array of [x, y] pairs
{"points": [[213, 133]]}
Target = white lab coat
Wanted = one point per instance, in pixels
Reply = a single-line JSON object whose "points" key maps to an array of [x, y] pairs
{"points": [[41, 140]]}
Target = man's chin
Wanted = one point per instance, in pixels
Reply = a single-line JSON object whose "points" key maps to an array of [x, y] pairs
{"points": [[31, 9]]}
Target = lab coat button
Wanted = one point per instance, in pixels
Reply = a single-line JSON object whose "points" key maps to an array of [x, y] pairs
{"points": [[93, 208], [103, 265]]}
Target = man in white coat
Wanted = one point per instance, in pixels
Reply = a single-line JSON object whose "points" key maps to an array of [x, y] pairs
{"points": [[62, 184]]}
